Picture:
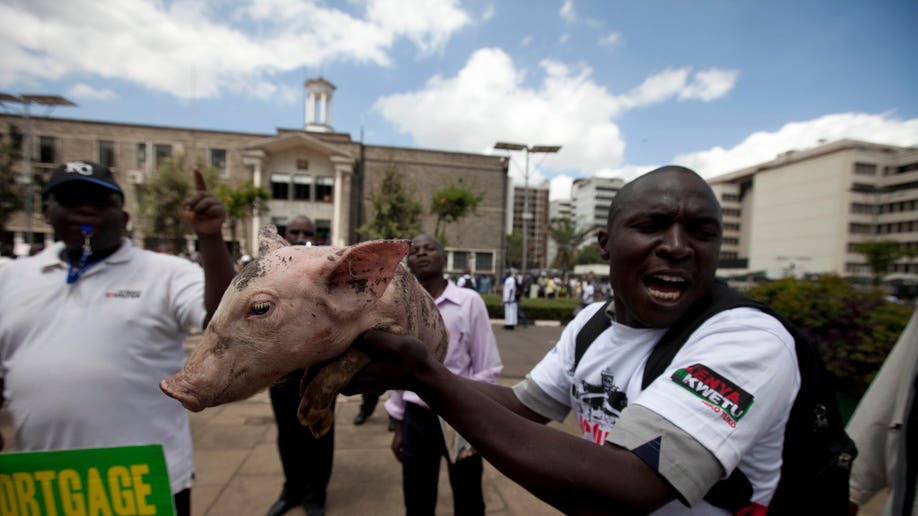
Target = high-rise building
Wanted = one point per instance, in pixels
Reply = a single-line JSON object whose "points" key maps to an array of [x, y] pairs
{"points": [[805, 212], [590, 200], [536, 223]]}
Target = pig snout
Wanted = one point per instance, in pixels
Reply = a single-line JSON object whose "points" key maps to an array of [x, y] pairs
{"points": [[178, 389]]}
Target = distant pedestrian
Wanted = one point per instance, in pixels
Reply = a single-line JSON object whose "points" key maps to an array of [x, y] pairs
{"points": [[587, 291], [508, 298], [484, 284], [467, 280]]}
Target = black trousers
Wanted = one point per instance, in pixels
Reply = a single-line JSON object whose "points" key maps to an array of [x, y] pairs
{"points": [[369, 401], [422, 449], [182, 501], [307, 461]]}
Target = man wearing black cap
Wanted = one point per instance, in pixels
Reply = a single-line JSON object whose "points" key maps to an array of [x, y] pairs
{"points": [[107, 321]]}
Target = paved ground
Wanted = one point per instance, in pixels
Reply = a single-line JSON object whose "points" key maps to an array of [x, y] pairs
{"points": [[239, 472]]}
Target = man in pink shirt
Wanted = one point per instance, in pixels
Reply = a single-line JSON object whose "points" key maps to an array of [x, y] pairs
{"points": [[418, 442]]}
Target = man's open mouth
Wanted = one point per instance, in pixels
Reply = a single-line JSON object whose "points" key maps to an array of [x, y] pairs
{"points": [[665, 287]]}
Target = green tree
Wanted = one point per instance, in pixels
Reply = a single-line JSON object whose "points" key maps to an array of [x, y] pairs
{"points": [[243, 201], [452, 204], [11, 191], [394, 213], [515, 249], [589, 254], [161, 203], [880, 255], [568, 238]]}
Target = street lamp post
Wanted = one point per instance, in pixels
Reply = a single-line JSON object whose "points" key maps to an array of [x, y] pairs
{"points": [[26, 100], [544, 149]]}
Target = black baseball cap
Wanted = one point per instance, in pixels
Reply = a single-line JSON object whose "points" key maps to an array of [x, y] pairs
{"points": [[82, 171]]}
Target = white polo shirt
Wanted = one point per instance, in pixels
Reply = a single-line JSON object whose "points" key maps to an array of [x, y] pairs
{"points": [[82, 362]]}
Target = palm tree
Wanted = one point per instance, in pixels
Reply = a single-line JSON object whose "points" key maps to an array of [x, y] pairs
{"points": [[568, 237]]}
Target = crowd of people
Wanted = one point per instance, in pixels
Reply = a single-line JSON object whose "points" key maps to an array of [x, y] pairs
{"points": [[542, 284], [108, 321]]}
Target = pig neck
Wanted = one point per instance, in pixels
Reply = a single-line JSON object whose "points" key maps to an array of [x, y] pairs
{"points": [[434, 286]]}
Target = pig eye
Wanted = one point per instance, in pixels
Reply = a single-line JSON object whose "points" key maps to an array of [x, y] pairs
{"points": [[259, 308]]}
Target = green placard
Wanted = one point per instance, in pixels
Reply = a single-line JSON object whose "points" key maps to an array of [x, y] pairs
{"points": [[88, 482]]}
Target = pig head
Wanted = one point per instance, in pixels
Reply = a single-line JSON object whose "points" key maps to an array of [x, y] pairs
{"points": [[296, 307]]}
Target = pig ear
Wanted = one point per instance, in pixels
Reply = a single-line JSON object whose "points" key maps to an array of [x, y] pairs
{"points": [[362, 271], [269, 240]]}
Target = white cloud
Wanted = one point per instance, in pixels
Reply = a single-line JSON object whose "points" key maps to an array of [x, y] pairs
{"points": [[488, 13], [610, 40], [526, 40], [427, 24], [705, 85], [564, 38], [85, 91], [709, 84], [190, 49], [567, 11], [760, 147], [487, 102]]}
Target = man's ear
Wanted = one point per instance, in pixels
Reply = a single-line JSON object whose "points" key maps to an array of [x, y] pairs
{"points": [[603, 238]]}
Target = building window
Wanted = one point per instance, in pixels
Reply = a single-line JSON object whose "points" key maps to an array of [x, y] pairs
{"points": [[731, 226], [302, 164], [859, 228], [730, 197], [325, 189], [218, 160], [162, 153], [280, 186], [484, 262], [141, 155], [46, 149], [730, 212], [460, 260], [862, 208], [106, 153], [323, 231], [865, 169], [301, 188]]}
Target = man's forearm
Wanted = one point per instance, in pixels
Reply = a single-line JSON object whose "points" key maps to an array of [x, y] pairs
{"points": [[218, 269], [572, 474]]}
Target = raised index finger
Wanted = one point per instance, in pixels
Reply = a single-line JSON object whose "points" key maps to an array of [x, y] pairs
{"points": [[199, 184]]}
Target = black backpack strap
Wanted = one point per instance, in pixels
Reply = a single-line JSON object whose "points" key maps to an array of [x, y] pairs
{"points": [[590, 331], [719, 299], [734, 492]]}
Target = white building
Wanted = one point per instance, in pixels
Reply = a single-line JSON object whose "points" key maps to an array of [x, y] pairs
{"points": [[590, 200], [805, 211]]}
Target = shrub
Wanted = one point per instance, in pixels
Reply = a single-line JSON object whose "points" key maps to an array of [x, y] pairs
{"points": [[853, 330], [558, 309]]}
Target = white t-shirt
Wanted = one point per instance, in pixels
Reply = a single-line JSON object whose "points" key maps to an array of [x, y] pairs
{"points": [[82, 362], [730, 387]]}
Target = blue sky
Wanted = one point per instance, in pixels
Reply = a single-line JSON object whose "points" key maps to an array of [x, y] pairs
{"points": [[622, 86]]}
